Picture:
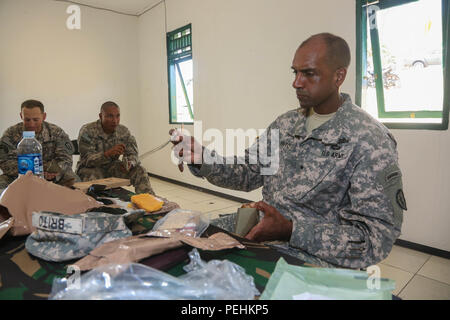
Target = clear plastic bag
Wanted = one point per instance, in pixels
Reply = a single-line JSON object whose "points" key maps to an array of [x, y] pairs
{"points": [[222, 279], [215, 280], [181, 221]]}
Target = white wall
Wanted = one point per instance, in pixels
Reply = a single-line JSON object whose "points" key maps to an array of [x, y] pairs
{"points": [[424, 160], [242, 52], [71, 71]]}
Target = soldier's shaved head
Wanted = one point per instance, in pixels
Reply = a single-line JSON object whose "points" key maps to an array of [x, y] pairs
{"points": [[108, 104], [338, 51]]}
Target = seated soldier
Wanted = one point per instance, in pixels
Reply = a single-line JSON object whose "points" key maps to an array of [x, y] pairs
{"points": [[57, 149], [333, 193], [101, 144]]}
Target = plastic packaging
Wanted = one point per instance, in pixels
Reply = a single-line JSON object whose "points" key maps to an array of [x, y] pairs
{"points": [[5, 226], [180, 221], [221, 279], [294, 282], [29, 155], [215, 280]]}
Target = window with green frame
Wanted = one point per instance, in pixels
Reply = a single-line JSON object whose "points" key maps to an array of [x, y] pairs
{"points": [[403, 77], [180, 74]]}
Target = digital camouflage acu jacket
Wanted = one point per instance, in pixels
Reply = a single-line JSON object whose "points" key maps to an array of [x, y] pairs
{"points": [[341, 185], [93, 142], [56, 145]]}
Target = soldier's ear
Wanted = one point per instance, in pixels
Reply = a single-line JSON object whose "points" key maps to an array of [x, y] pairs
{"points": [[341, 73], [44, 116], [21, 116]]}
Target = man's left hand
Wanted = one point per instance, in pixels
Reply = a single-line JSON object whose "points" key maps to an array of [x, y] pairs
{"points": [[274, 226]]}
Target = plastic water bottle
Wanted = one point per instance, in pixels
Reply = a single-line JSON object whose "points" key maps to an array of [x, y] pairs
{"points": [[29, 155]]}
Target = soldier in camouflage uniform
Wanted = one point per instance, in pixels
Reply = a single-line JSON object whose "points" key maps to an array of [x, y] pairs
{"points": [[336, 198], [57, 149], [101, 143]]}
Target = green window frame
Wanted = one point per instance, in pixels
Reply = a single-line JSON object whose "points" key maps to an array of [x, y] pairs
{"points": [[361, 68], [179, 50]]}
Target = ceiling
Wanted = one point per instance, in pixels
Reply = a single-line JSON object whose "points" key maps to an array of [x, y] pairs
{"points": [[134, 7]]}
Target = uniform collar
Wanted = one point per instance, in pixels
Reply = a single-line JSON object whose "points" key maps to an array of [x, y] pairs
{"points": [[331, 132], [102, 133]]}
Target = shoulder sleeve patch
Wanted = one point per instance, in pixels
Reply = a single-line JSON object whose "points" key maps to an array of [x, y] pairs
{"points": [[69, 146], [85, 138], [391, 180]]}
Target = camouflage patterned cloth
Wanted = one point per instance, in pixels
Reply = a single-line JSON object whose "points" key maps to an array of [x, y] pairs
{"points": [[341, 185], [57, 150], [24, 276], [226, 222], [65, 237], [93, 142]]}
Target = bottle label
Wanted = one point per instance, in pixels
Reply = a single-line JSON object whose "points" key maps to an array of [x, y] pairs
{"points": [[30, 162]]}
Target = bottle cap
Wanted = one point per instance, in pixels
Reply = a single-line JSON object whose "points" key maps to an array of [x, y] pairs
{"points": [[28, 134]]}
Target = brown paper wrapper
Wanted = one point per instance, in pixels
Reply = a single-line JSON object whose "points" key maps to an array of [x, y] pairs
{"points": [[216, 242], [29, 193], [131, 249], [136, 248]]}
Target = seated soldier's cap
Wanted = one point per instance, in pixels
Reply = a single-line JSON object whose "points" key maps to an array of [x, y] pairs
{"points": [[61, 237]]}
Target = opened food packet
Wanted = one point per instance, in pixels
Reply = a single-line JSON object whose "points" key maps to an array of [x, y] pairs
{"points": [[181, 221], [29, 193], [126, 250], [136, 248]]}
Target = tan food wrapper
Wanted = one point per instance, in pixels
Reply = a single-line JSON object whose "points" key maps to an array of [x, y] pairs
{"points": [[131, 249], [216, 242], [5, 226], [29, 193], [136, 248], [109, 183]]}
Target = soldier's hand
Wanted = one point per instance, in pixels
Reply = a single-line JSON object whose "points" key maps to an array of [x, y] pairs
{"points": [[50, 176], [117, 150], [274, 226], [127, 164], [186, 149], [123, 168]]}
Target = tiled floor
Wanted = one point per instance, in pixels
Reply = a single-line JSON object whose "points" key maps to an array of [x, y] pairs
{"points": [[418, 276]]}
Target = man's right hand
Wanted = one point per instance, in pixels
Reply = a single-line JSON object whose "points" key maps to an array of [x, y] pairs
{"points": [[117, 150], [186, 149]]}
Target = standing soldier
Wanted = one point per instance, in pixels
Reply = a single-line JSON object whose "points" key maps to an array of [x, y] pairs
{"points": [[57, 149], [101, 144]]}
